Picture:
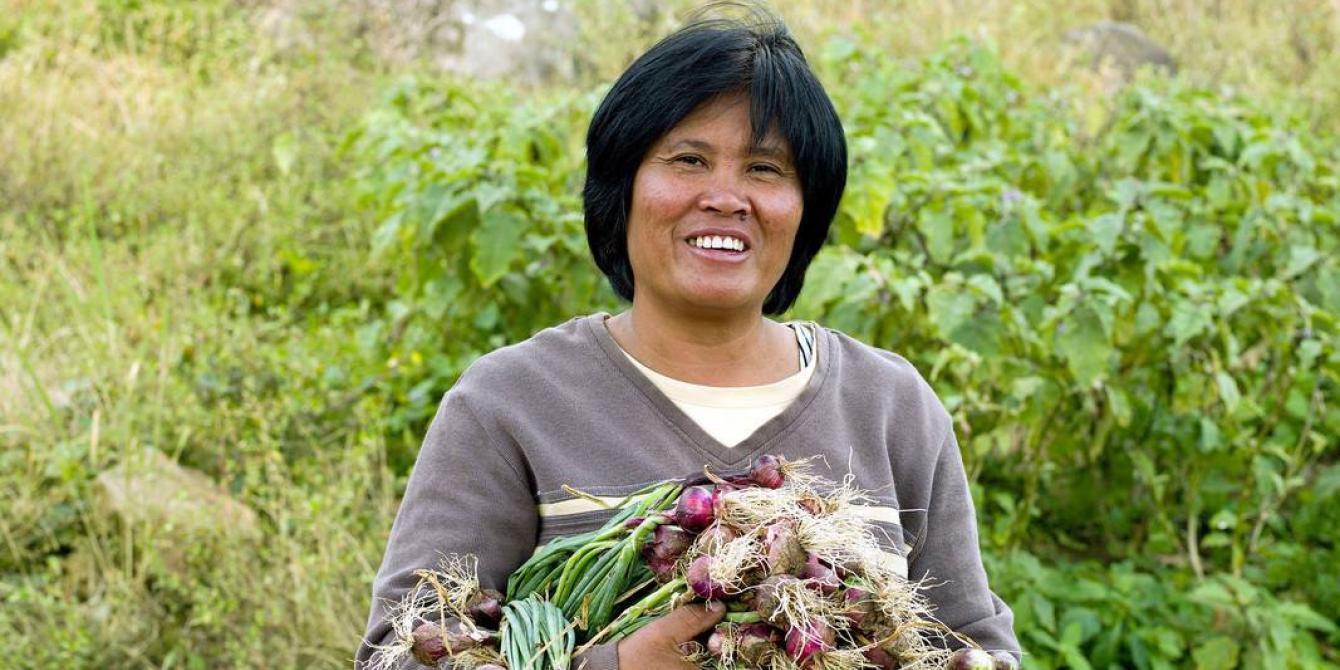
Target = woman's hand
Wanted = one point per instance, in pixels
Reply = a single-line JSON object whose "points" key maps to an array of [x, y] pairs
{"points": [[656, 645]]}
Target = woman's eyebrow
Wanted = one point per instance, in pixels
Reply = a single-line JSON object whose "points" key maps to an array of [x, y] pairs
{"points": [[763, 150], [696, 145]]}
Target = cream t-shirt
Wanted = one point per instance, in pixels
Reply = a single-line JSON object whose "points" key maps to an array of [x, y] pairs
{"points": [[731, 413]]}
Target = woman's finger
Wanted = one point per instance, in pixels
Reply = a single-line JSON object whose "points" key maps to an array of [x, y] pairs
{"points": [[687, 622]]}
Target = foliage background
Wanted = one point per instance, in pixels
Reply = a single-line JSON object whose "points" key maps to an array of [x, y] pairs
{"points": [[266, 252]]}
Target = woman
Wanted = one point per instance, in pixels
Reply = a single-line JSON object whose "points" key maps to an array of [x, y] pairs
{"points": [[715, 166]]}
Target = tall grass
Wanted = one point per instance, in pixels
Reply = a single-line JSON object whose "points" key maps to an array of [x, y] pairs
{"points": [[175, 234], [183, 267]]}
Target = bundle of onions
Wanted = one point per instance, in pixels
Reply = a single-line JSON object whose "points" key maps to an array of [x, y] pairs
{"points": [[447, 616], [805, 580], [802, 572]]}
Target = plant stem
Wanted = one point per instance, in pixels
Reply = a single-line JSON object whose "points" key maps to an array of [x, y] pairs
{"points": [[653, 600]]}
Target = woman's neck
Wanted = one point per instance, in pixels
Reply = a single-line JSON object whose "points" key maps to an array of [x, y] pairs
{"points": [[747, 350]]}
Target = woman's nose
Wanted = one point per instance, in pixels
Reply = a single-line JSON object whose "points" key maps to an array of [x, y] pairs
{"points": [[725, 200]]}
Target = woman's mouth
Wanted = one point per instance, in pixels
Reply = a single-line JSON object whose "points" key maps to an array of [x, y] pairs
{"points": [[724, 242], [722, 248]]}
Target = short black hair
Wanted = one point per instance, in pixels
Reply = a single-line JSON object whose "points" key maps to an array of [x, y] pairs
{"points": [[710, 56]]}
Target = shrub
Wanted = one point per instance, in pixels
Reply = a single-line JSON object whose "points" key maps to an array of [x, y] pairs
{"points": [[1128, 305]]}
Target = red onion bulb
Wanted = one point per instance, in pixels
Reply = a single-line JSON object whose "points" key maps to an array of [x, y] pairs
{"points": [[767, 471], [696, 508], [820, 576], [969, 658], [809, 639], [699, 577]]}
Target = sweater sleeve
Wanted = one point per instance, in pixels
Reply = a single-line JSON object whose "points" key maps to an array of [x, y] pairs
{"points": [[466, 495], [948, 555]]}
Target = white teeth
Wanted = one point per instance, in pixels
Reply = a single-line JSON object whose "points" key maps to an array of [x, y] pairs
{"points": [[717, 242]]}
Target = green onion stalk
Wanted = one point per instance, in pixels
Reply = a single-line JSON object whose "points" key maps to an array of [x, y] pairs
{"points": [[653, 606], [587, 575], [536, 636]]}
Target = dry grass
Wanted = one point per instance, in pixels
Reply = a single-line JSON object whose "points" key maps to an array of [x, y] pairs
{"points": [[1276, 49]]}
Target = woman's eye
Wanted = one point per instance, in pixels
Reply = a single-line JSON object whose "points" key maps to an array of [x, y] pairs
{"points": [[767, 167], [688, 159]]}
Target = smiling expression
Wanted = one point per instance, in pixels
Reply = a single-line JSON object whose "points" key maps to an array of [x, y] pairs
{"points": [[705, 184]]}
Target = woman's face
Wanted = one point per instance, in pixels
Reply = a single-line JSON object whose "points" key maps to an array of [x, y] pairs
{"points": [[704, 180]]}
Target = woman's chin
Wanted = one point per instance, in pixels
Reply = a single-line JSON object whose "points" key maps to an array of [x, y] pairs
{"points": [[723, 300]]}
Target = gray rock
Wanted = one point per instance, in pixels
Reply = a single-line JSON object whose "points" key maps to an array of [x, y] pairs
{"points": [[180, 502], [521, 41], [1123, 47], [525, 41]]}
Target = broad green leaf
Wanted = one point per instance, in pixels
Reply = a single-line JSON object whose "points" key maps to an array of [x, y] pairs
{"points": [[1147, 319], [949, 307], [1210, 437], [828, 273], [1224, 519], [1168, 641], [1075, 658], [387, 234], [1045, 611], [1133, 148], [452, 219], [1202, 240], [1083, 619], [1120, 405], [987, 285], [1231, 300], [869, 195], [1139, 652], [1217, 653], [1166, 220], [1024, 388], [1080, 340], [1007, 237], [981, 333], [938, 229], [1188, 320], [1227, 138], [487, 318], [496, 245], [1328, 284], [1228, 390], [1328, 482], [1300, 259], [1298, 614], [1104, 652], [1214, 593], [1105, 230], [908, 290], [1220, 192]]}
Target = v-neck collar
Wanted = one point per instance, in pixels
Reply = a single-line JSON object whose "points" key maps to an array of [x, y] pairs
{"points": [[759, 440]]}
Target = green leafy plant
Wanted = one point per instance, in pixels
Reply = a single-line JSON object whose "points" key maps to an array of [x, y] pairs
{"points": [[1131, 315]]}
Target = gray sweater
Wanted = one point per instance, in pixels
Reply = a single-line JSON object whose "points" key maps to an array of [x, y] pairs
{"points": [[566, 407]]}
